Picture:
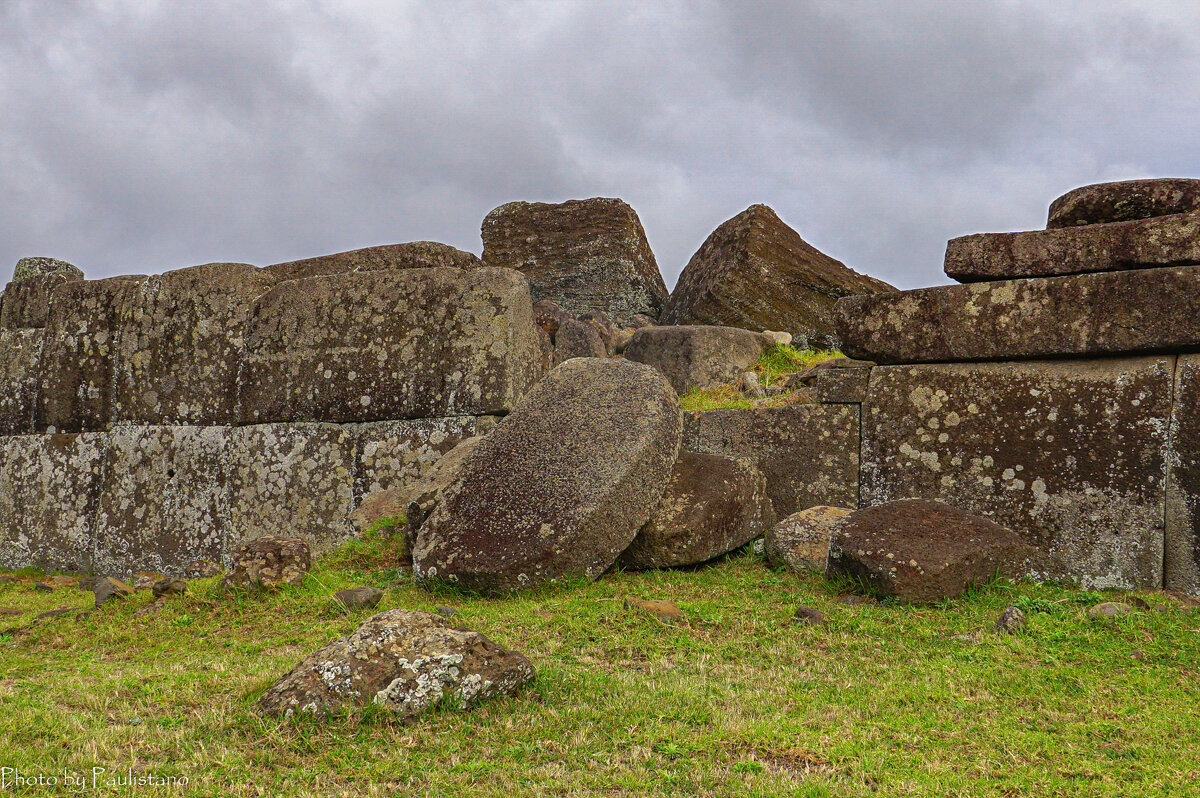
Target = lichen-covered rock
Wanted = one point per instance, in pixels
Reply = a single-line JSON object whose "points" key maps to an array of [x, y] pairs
{"points": [[268, 563], [1124, 201], [1082, 315], [583, 254], [808, 453], [757, 273], [398, 453], [413, 255], [390, 344], [1116, 246], [577, 339], [548, 315], [919, 551], [20, 358], [27, 298], [1071, 455], [1181, 555], [303, 473], [711, 506], [402, 661], [697, 356], [800, 542], [561, 486]]}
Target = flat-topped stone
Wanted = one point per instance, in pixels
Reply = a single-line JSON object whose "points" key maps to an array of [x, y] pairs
{"points": [[1081, 315], [412, 255], [1140, 244], [1124, 201], [28, 268]]}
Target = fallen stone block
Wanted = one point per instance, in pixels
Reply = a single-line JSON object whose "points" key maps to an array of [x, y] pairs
{"points": [[1071, 455], [757, 273], [577, 339], [801, 541], [390, 344], [560, 488], [1081, 316], [27, 298], [583, 254], [697, 356], [1124, 201], [20, 358], [268, 563], [413, 255]]}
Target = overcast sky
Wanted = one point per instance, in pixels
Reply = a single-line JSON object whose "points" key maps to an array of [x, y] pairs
{"points": [[139, 136]]}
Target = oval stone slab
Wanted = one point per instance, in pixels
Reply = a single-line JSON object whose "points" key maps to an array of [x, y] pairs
{"points": [[1124, 201], [561, 486]]}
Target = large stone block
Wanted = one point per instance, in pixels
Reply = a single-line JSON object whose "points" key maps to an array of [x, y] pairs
{"points": [[1182, 546], [49, 485], [413, 255], [391, 454], [27, 298], [584, 254], [1141, 244], [391, 344], [164, 501], [180, 345], [697, 356], [292, 479], [20, 357], [808, 453], [757, 273], [1071, 455], [1124, 201], [1082, 315]]}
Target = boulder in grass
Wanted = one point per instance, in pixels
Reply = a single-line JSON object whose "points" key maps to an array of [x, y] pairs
{"points": [[268, 563], [561, 486], [698, 356], [920, 551], [711, 506], [800, 542], [401, 661]]}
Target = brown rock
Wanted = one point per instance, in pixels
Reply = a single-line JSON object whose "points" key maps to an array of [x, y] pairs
{"points": [[27, 298], [561, 486], [1012, 620], [800, 542], [755, 272], [1124, 201], [169, 587], [577, 339], [405, 662], [919, 551], [202, 569], [548, 315], [359, 598], [809, 616], [413, 255], [603, 326], [697, 356], [711, 506], [268, 563], [20, 359], [111, 588], [584, 254], [665, 611], [1109, 610]]}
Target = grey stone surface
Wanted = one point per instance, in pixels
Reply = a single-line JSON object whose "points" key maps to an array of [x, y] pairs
{"points": [[808, 453], [583, 254], [1082, 315], [1124, 201], [561, 486], [697, 356], [1182, 543], [20, 359], [26, 300], [412, 255], [842, 386], [396, 453], [390, 344], [1071, 455], [801, 541]]}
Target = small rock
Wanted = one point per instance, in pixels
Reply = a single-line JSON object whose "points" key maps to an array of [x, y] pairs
{"points": [[167, 587], [639, 320], [359, 598], [1108, 610], [621, 339], [1137, 654], [109, 588], [153, 608], [603, 326], [1010, 621], [446, 612], [800, 542], [809, 615], [42, 587], [780, 338], [55, 613], [268, 563], [751, 386], [665, 611], [89, 583], [144, 581], [1138, 602], [202, 569]]}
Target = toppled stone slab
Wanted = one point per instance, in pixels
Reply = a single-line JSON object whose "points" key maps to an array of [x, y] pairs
{"points": [[808, 453], [800, 542], [576, 338], [269, 563], [164, 501], [50, 484], [920, 551], [697, 356], [298, 477], [1082, 315], [20, 358], [583, 254], [1071, 455], [413, 255], [402, 661], [27, 298], [1182, 544], [390, 344], [393, 454], [1124, 201], [757, 273], [561, 486], [1117, 246], [711, 506]]}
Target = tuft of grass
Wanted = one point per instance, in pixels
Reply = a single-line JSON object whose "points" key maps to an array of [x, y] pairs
{"points": [[775, 366]]}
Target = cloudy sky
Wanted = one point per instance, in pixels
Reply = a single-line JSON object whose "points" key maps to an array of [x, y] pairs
{"points": [[138, 136]]}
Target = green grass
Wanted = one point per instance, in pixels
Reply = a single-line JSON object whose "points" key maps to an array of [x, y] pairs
{"points": [[738, 700], [773, 367]]}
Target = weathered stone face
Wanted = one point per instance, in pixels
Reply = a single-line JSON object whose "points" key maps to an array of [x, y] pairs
{"points": [[26, 300], [801, 541], [413, 255], [576, 338], [1142, 244], [49, 484], [390, 344], [405, 662], [20, 357], [268, 563], [920, 551], [697, 356], [1068, 454], [180, 345], [808, 453], [757, 273], [711, 506], [583, 254], [396, 453], [1124, 201], [1082, 315], [561, 486], [164, 500], [296, 479], [1182, 544]]}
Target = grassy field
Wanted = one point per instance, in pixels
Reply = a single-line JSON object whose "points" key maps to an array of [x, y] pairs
{"points": [[738, 700]]}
